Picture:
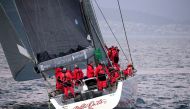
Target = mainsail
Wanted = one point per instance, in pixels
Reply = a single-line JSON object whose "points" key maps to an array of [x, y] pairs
{"points": [[44, 32]]}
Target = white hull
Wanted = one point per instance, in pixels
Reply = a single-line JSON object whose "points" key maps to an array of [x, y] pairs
{"points": [[104, 102]]}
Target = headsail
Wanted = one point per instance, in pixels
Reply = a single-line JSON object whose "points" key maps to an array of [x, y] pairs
{"points": [[10, 41]]}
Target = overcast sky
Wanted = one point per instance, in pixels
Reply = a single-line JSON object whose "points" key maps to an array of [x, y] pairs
{"points": [[173, 9]]}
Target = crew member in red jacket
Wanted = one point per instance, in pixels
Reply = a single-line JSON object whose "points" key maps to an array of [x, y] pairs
{"points": [[128, 71], [109, 52], [98, 68], [59, 76], [67, 83], [78, 74], [101, 76], [115, 55], [114, 76], [90, 70]]}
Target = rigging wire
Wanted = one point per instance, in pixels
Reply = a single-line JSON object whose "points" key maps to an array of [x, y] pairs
{"points": [[121, 15], [110, 29]]}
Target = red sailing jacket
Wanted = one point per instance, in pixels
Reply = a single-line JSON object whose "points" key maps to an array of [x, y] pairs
{"points": [[78, 74], [90, 71]]}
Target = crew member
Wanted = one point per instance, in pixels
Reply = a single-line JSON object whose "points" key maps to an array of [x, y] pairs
{"points": [[109, 52], [101, 76], [67, 83], [78, 74], [90, 70], [59, 76], [128, 71], [115, 55], [114, 76]]}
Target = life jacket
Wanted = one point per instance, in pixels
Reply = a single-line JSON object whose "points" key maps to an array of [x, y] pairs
{"points": [[90, 71], [78, 74]]}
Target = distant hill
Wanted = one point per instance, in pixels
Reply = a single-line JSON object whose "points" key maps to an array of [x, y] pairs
{"points": [[140, 23], [138, 17]]}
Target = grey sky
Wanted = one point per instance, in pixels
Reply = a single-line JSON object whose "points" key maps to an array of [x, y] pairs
{"points": [[172, 9]]}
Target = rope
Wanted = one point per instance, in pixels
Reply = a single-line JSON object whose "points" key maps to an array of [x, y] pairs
{"points": [[111, 29], [124, 30]]}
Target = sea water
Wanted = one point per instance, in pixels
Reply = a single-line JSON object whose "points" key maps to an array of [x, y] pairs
{"points": [[163, 76]]}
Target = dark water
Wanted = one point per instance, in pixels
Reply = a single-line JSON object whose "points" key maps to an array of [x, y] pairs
{"points": [[163, 77], [165, 88]]}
